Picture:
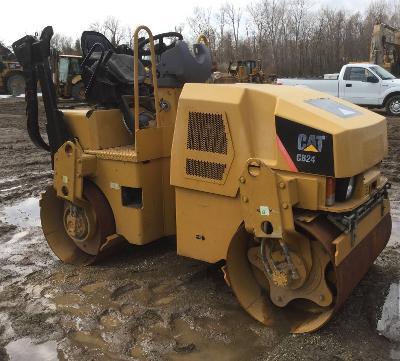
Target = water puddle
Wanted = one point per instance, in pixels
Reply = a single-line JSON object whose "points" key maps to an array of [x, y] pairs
{"points": [[87, 338], [110, 322], [24, 349], [191, 345], [23, 214], [93, 287], [69, 299], [389, 323], [394, 240]]}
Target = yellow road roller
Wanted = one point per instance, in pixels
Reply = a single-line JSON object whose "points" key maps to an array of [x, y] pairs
{"points": [[281, 183]]}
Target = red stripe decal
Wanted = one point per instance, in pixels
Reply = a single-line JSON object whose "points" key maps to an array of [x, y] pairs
{"points": [[286, 155]]}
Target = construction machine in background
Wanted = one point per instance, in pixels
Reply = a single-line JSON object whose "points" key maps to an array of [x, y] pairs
{"points": [[67, 76], [385, 48], [266, 179], [11, 78], [247, 71], [243, 71]]}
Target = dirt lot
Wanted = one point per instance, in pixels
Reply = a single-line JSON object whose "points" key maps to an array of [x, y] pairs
{"points": [[149, 304]]}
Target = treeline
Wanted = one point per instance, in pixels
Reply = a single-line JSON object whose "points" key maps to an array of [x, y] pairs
{"points": [[110, 27], [290, 37]]}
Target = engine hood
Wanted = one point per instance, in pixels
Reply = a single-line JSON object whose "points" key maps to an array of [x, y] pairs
{"points": [[326, 135], [391, 83], [220, 126]]}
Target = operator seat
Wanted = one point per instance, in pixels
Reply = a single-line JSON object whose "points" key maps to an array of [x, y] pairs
{"points": [[106, 72], [108, 75], [179, 65], [89, 38]]}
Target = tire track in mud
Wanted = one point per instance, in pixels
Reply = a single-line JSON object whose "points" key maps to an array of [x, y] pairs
{"points": [[25, 169]]}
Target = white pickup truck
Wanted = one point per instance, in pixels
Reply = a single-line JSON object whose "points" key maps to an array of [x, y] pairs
{"points": [[360, 83]]}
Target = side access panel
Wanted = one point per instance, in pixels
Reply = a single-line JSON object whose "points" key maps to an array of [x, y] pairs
{"points": [[206, 224]]}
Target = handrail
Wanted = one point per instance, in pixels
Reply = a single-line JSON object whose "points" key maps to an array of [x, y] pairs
{"points": [[136, 76], [203, 39]]}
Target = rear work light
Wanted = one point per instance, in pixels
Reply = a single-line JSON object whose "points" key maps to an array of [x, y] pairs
{"points": [[339, 189], [330, 191], [344, 188]]}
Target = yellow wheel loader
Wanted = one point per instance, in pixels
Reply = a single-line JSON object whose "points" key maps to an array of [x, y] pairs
{"points": [[11, 78], [67, 76], [281, 183], [243, 71]]}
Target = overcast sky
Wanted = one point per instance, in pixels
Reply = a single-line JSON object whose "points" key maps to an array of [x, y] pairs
{"points": [[71, 17]]}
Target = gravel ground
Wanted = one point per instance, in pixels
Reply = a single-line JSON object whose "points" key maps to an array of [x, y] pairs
{"points": [[146, 303]]}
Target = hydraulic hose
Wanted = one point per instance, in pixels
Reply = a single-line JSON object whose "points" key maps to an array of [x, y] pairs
{"points": [[33, 54], [32, 110]]}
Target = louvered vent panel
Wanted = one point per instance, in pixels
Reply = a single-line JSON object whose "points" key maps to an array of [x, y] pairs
{"points": [[199, 168], [206, 133]]}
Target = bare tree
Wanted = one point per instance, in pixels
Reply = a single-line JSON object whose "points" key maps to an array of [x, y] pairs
{"points": [[377, 11], [112, 29], [298, 15], [275, 13], [394, 10], [256, 12], [290, 37], [222, 46], [201, 23], [234, 16], [65, 44]]}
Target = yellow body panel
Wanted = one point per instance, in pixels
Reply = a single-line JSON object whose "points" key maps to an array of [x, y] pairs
{"points": [[344, 244], [250, 111], [105, 153], [156, 217], [211, 203], [206, 224], [98, 129]]}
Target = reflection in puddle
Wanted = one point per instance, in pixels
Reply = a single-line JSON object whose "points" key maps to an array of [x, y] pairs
{"points": [[24, 349], [87, 338], [395, 236], [10, 189], [389, 323], [23, 214], [394, 240]]}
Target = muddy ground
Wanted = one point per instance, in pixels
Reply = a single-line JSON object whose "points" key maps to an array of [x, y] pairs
{"points": [[149, 304]]}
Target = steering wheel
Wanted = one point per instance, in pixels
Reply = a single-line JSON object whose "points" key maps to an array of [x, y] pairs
{"points": [[160, 47]]}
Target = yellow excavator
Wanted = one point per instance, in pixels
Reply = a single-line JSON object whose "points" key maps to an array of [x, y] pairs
{"points": [[385, 47], [268, 179]]}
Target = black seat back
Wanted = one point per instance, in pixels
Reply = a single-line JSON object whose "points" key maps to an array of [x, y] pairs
{"points": [[107, 74], [89, 38], [114, 78]]}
